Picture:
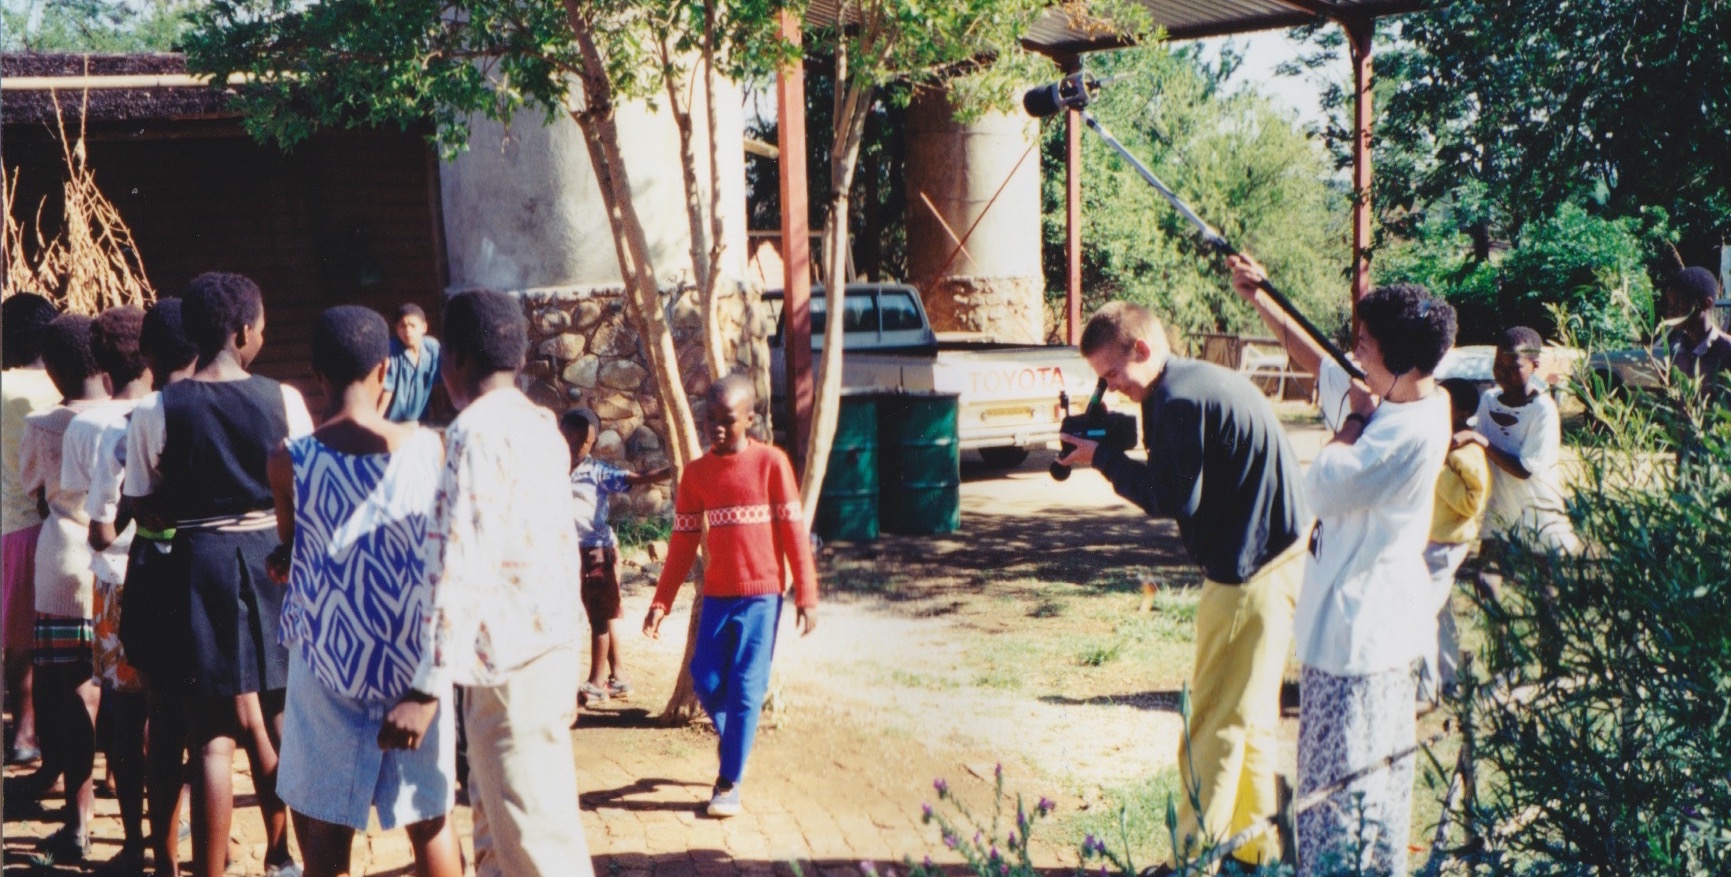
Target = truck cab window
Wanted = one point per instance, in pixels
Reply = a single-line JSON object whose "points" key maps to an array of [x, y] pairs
{"points": [[898, 311]]}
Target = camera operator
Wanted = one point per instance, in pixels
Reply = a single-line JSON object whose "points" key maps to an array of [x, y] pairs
{"points": [[1220, 464]]}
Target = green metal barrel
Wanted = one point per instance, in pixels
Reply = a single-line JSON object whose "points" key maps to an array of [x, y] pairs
{"points": [[847, 507], [922, 463]]}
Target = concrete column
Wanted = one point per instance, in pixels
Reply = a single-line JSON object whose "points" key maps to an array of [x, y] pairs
{"points": [[973, 195], [523, 211]]}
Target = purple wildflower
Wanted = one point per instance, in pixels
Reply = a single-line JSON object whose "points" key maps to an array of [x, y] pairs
{"points": [[942, 787], [928, 862], [1045, 806], [1012, 840], [1004, 868], [867, 869], [949, 840], [998, 771], [1088, 845], [925, 812]]}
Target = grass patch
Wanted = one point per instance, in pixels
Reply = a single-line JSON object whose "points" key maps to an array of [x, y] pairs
{"points": [[1142, 826], [1101, 654], [1047, 608], [633, 532]]}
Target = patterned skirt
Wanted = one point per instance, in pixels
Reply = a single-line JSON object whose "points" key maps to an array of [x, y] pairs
{"points": [[1348, 724], [112, 669]]}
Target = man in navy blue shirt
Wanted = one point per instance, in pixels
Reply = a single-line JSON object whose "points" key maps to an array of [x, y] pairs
{"points": [[413, 369]]}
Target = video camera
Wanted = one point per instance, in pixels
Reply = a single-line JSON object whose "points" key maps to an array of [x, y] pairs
{"points": [[1110, 428]]}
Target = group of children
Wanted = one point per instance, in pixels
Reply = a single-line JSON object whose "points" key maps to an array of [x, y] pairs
{"points": [[209, 564]]}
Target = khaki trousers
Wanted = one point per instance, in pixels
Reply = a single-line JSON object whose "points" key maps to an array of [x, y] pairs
{"points": [[1243, 633], [522, 773]]}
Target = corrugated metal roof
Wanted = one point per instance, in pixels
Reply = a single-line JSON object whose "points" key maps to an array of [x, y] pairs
{"points": [[1057, 32]]}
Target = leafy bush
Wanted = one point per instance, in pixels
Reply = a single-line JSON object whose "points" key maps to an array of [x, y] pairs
{"points": [[1594, 268], [1601, 713]]}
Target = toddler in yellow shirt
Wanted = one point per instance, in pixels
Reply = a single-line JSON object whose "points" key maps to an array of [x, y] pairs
{"points": [[1462, 490]]}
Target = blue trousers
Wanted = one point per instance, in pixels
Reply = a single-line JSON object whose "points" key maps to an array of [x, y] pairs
{"points": [[730, 671]]}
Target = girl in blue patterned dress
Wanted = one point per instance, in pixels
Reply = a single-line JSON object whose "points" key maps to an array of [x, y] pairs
{"points": [[353, 502]]}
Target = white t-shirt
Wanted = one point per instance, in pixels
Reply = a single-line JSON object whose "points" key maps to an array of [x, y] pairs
{"points": [[148, 433], [1530, 508], [1366, 606], [87, 456]]}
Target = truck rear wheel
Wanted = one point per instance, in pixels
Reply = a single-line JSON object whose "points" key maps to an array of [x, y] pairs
{"points": [[1004, 457]]}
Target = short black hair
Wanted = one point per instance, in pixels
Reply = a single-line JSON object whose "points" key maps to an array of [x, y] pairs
{"points": [[22, 318], [348, 342], [1413, 328], [1463, 393], [408, 309], [1698, 285], [580, 420], [216, 306], [1521, 340], [487, 327], [114, 339], [66, 352], [163, 338]]}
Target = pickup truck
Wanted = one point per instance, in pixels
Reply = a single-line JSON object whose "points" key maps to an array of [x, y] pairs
{"points": [[1008, 394]]}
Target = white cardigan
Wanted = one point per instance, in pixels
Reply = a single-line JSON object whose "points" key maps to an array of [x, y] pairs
{"points": [[1363, 606]]}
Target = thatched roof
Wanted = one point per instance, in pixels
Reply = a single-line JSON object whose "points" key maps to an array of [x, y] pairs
{"points": [[29, 100]]}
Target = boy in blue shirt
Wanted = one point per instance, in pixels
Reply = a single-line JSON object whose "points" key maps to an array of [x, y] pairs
{"points": [[412, 371], [592, 482]]}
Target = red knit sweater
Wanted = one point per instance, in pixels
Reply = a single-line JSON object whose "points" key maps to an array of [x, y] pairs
{"points": [[756, 529]]}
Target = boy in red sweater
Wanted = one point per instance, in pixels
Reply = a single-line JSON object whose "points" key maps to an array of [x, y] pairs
{"points": [[745, 492]]}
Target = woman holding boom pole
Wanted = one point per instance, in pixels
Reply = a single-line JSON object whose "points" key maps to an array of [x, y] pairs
{"points": [[1361, 618]]}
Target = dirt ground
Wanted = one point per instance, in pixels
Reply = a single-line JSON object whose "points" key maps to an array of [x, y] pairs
{"points": [[1015, 641]]}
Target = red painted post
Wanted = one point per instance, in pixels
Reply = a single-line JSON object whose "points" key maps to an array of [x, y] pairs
{"points": [[1359, 32], [795, 243], [1072, 218]]}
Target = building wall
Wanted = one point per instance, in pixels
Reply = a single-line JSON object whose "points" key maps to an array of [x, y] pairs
{"points": [[347, 218]]}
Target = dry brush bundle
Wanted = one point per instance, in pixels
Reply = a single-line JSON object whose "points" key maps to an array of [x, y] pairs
{"points": [[93, 263]]}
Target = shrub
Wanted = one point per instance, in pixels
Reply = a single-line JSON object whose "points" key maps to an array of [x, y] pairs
{"points": [[1601, 711]]}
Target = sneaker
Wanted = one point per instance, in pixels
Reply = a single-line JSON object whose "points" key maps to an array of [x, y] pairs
{"points": [[618, 688], [292, 869], [724, 804], [590, 693]]}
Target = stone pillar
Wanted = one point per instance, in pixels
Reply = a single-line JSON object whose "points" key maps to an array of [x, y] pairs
{"points": [[523, 214], [991, 283]]}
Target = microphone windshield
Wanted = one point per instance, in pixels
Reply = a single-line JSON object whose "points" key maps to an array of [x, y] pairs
{"points": [[1042, 100]]}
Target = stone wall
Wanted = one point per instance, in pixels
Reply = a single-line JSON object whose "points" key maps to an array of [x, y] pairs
{"points": [[585, 352], [1007, 309]]}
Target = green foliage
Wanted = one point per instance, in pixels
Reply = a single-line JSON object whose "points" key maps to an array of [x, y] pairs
{"points": [[635, 531], [1590, 267], [92, 25], [1242, 166], [1603, 701], [877, 208], [361, 62], [1615, 104]]}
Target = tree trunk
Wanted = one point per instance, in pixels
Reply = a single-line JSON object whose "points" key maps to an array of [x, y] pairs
{"points": [[705, 249], [601, 137], [851, 110]]}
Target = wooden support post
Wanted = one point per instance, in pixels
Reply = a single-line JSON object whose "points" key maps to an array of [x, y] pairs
{"points": [[1072, 217], [795, 244], [1359, 32]]}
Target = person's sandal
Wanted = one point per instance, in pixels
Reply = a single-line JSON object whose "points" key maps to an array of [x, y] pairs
{"points": [[618, 689], [589, 693]]}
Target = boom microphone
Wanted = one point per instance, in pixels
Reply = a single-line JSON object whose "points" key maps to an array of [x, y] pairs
{"points": [[1072, 92]]}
